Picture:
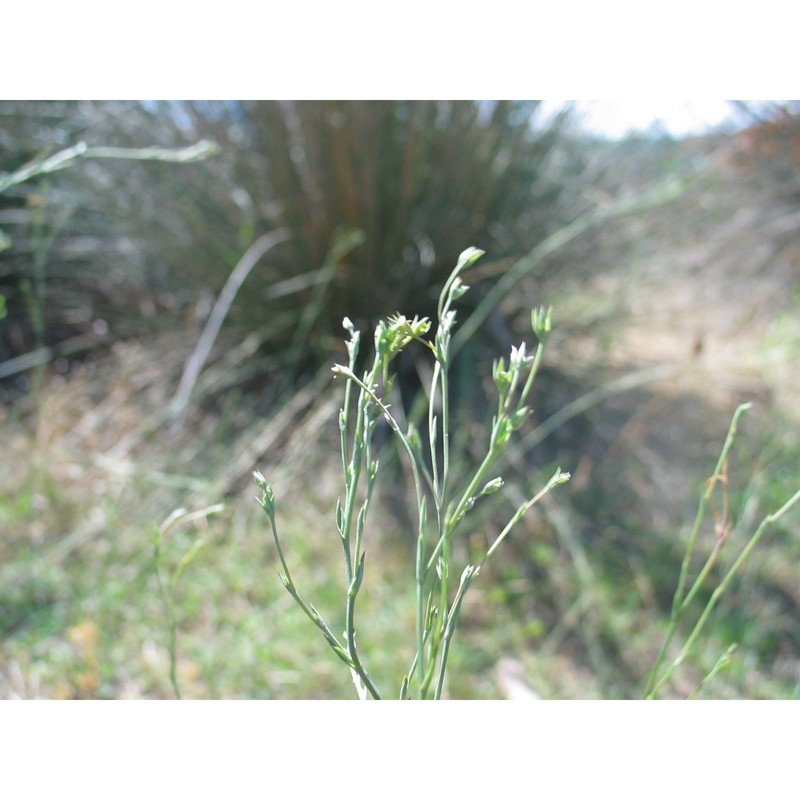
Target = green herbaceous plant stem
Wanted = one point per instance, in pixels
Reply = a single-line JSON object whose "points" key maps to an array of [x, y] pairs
{"points": [[682, 598], [436, 614], [679, 600], [698, 628]]}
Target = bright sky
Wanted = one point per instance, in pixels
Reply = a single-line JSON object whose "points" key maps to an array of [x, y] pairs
{"points": [[615, 118]]}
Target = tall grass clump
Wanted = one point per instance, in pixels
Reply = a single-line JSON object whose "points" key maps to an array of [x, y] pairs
{"points": [[441, 506], [410, 178]]}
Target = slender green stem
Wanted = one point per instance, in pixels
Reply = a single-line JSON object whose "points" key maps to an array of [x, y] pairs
{"points": [[557, 479], [167, 600], [366, 391], [457, 514], [448, 629], [679, 600], [420, 592], [438, 491], [267, 502], [722, 661], [534, 371], [704, 502], [700, 624], [353, 470], [66, 158]]}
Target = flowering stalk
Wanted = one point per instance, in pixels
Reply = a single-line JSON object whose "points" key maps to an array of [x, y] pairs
{"points": [[437, 605]]}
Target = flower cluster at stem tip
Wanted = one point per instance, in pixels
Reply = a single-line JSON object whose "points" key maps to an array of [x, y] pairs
{"points": [[393, 335]]}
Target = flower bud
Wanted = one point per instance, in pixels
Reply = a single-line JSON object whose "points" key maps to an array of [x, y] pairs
{"points": [[492, 486]]}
